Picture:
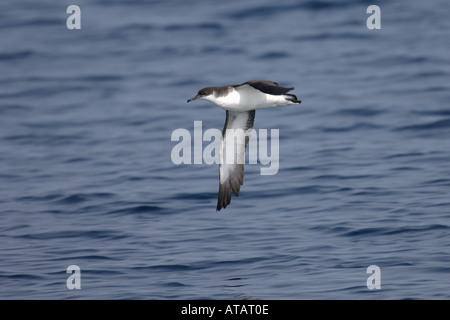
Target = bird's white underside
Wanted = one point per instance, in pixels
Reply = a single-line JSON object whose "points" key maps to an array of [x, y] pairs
{"points": [[246, 98]]}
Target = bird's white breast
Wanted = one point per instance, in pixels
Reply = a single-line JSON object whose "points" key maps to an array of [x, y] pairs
{"points": [[232, 101]]}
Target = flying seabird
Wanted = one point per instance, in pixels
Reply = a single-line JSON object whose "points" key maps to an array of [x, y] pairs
{"points": [[240, 102]]}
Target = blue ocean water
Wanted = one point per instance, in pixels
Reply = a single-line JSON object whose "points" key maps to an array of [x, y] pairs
{"points": [[86, 176]]}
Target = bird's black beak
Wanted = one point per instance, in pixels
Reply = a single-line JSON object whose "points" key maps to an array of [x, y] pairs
{"points": [[194, 98]]}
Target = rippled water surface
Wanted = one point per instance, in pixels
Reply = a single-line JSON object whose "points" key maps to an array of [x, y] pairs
{"points": [[86, 176]]}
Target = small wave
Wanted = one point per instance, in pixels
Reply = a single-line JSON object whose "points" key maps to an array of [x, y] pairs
{"points": [[393, 231], [440, 182], [47, 91], [274, 9], [16, 55], [138, 209], [101, 78], [299, 168], [404, 155], [439, 124], [41, 22], [329, 35], [90, 234], [135, 27], [91, 257], [197, 26], [169, 267], [441, 112], [354, 127], [76, 159], [47, 139], [76, 198], [35, 23], [195, 196], [431, 74], [359, 112], [83, 197], [138, 3], [335, 229], [262, 11], [273, 55], [307, 189], [315, 5], [342, 177], [402, 60], [404, 168], [174, 284], [21, 276], [373, 192], [14, 108]]}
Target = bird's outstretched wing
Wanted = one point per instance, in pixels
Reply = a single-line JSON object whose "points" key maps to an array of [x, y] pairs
{"points": [[266, 86], [233, 143]]}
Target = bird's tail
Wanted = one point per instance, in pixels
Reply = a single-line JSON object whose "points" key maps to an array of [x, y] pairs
{"points": [[292, 98]]}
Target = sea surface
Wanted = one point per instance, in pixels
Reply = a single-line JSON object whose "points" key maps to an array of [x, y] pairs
{"points": [[87, 177]]}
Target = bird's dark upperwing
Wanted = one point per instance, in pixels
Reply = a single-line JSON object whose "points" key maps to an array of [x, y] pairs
{"points": [[233, 143], [268, 87]]}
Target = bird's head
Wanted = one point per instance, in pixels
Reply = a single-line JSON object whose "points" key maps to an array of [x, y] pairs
{"points": [[203, 94]]}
